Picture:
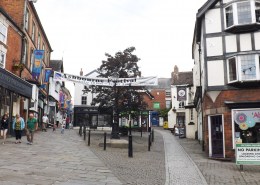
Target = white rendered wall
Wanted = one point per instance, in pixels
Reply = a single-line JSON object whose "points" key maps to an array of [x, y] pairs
{"points": [[213, 21], [214, 46], [215, 73], [231, 43], [257, 40], [245, 42]]}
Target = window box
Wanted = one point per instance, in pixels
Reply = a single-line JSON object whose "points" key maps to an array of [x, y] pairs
{"points": [[242, 16]]}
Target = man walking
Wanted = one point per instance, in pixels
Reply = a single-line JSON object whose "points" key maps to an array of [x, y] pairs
{"points": [[31, 126], [45, 121]]}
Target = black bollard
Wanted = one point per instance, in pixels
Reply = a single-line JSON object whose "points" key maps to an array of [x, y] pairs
{"points": [[84, 132], [105, 140], [88, 137], [80, 130], [130, 146], [149, 142], [152, 135]]}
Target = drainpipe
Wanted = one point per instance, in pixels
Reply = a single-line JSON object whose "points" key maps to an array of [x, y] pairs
{"points": [[201, 99]]}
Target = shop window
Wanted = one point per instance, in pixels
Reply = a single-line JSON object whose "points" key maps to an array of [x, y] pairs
{"points": [[247, 126], [3, 33], [243, 68]]}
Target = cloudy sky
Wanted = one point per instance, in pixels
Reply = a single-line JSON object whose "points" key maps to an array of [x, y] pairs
{"points": [[82, 31]]}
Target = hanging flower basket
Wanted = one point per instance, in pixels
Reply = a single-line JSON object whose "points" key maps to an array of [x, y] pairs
{"points": [[18, 66]]}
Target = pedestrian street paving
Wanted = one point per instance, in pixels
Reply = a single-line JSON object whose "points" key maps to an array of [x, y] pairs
{"points": [[54, 158], [180, 168]]}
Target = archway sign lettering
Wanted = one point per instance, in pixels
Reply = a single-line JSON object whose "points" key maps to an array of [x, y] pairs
{"points": [[140, 81]]}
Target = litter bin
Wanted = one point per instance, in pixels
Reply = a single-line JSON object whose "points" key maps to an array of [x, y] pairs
{"points": [[165, 125]]}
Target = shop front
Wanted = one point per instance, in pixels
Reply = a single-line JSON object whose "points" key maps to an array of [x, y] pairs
{"points": [[246, 125], [13, 91]]}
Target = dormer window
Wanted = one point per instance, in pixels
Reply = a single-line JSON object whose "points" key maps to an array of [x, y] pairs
{"points": [[242, 16]]}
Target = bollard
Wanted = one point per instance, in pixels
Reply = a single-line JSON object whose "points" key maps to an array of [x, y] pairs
{"points": [[80, 130], [130, 146], [88, 137], [105, 140], [153, 135], [141, 132], [84, 132], [149, 142]]}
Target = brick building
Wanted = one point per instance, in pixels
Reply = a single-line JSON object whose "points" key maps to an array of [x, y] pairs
{"points": [[226, 75], [20, 58]]}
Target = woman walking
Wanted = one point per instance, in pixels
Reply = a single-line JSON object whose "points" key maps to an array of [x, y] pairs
{"points": [[4, 126], [18, 126]]}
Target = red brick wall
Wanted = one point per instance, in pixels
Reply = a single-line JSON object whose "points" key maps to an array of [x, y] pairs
{"points": [[229, 95], [14, 46], [159, 96], [15, 9]]}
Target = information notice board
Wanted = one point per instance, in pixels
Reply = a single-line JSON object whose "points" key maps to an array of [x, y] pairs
{"points": [[248, 154]]}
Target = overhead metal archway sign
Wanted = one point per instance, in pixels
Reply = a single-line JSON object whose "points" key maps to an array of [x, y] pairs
{"points": [[140, 81]]}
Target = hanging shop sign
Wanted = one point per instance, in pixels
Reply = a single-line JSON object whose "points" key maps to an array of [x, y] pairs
{"points": [[181, 93], [248, 153], [141, 81], [37, 64]]}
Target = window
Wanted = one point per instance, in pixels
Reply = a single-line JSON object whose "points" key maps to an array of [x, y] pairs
{"points": [[243, 68], [244, 13], [191, 114], [257, 12], [43, 48], [2, 59], [3, 33], [232, 69], [181, 104], [168, 104], [26, 19], [241, 13], [83, 100], [229, 16], [32, 60], [248, 67], [168, 93], [24, 61], [33, 32], [39, 41]]}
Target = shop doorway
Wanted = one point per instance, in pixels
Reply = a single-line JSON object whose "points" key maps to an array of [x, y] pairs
{"points": [[216, 133]]}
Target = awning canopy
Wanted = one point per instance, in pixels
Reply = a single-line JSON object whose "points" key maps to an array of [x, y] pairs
{"points": [[15, 84]]}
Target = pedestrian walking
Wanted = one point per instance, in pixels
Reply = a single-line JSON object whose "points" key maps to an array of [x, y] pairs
{"points": [[31, 126], [18, 126], [45, 121], [62, 128], [4, 126]]}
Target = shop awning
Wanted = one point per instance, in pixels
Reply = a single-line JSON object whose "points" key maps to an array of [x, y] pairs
{"points": [[242, 104], [15, 84]]}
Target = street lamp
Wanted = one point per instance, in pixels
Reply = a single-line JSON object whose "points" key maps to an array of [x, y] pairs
{"points": [[115, 125]]}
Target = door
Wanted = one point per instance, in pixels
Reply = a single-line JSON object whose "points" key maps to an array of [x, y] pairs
{"points": [[217, 136]]}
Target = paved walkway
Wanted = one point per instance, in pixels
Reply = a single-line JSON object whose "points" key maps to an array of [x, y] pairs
{"points": [[56, 159], [53, 159], [180, 169]]}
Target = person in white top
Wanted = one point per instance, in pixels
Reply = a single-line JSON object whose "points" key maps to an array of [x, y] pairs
{"points": [[45, 121]]}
